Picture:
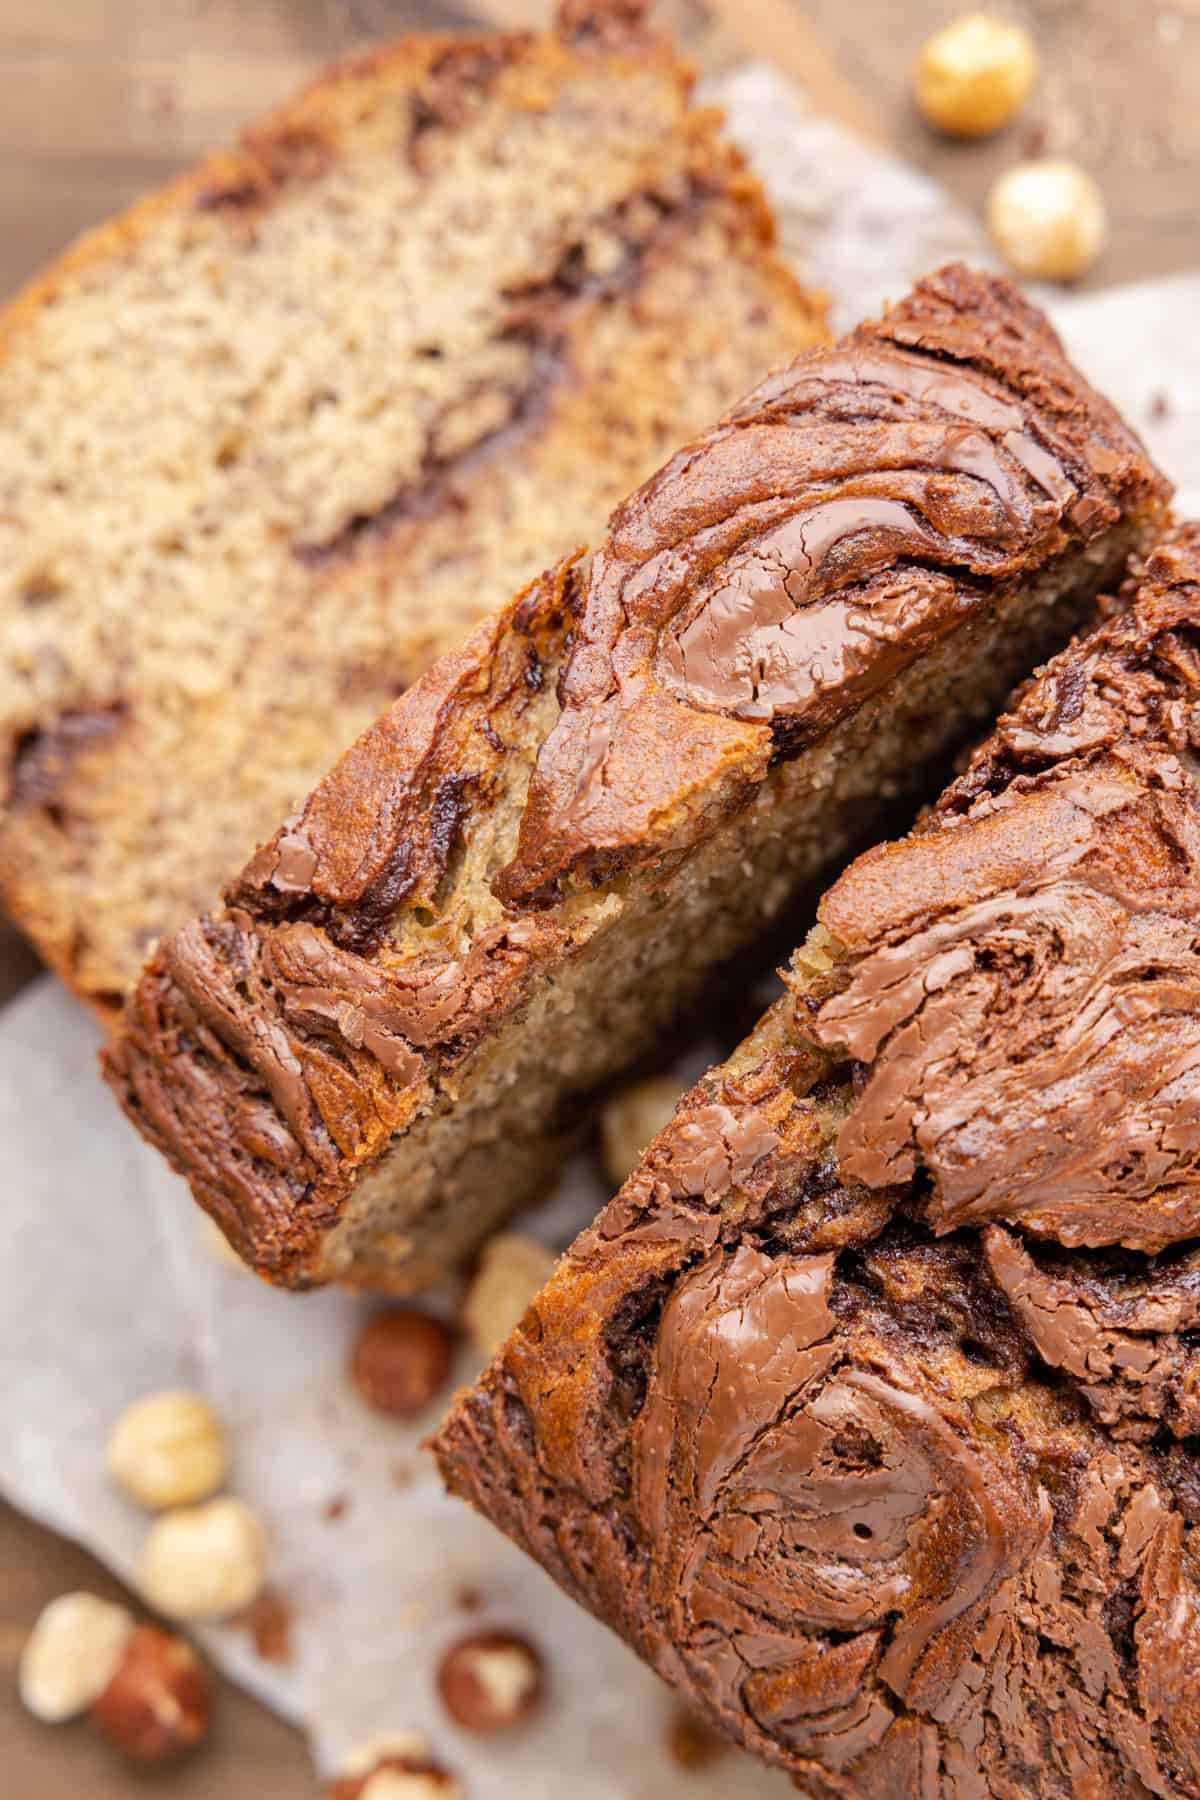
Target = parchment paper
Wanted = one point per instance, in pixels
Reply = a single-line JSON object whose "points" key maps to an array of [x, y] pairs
{"points": [[109, 1289]]}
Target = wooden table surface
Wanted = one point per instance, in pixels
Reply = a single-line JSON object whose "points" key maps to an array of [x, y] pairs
{"points": [[104, 98]]}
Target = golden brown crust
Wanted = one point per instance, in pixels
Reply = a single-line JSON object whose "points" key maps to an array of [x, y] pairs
{"points": [[958, 410]]}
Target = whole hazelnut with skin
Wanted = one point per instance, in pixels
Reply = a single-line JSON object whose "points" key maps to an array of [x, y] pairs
{"points": [[402, 1772], [401, 1360], [204, 1562], [71, 1655], [1048, 219], [168, 1450], [156, 1706], [634, 1116], [491, 1681], [974, 75]]}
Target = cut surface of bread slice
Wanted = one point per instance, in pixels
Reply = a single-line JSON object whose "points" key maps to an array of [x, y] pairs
{"points": [[831, 1415], [515, 880], [281, 434]]}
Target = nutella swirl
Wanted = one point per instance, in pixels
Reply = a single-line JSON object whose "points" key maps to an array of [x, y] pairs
{"points": [[1126, 1337], [849, 513], [1024, 988], [862, 1580]]}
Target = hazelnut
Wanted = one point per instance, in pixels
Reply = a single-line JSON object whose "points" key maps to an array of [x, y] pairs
{"points": [[156, 1706], [974, 75], [511, 1271], [401, 1360], [491, 1681], [632, 1118], [71, 1655], [168, 1450], [1048, 219], [204, 1562], [401, 1771]]}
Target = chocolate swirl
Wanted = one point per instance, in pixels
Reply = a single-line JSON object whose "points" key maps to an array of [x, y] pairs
{"points": [[849, 513], [1125, 1334], [790, 1493], [1024, 991], [872, 1586]]}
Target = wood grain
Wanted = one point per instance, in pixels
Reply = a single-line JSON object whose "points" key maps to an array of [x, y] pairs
{"points": [[105, 98]]}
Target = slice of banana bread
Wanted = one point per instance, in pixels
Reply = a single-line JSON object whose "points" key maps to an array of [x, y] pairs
{"points": [[519, 875], [908, 1510], [282, 433]]}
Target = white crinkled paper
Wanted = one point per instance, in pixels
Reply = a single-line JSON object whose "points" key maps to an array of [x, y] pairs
{"points": [[109, 1288]]}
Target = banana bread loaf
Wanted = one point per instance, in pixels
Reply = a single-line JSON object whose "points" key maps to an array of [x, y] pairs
{"points": [[517, 877], [285, 431], [911, 1507]]}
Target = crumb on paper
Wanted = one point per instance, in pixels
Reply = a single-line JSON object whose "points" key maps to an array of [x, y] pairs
{"points": [[268, 1620]]}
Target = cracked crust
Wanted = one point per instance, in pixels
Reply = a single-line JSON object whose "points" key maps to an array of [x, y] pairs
{"points": [[906, 1507], [408, 998], [286, 431]]}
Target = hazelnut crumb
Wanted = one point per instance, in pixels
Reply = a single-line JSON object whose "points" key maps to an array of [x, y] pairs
{"points": [[974, 75], [401, 1360], [71, 1655], [268, 1619], [491, 1681], [1048, 219], [168, 1449], [204, 1562], [692, 1742], [156, 1707], [632, 1118], [511, 1270]]}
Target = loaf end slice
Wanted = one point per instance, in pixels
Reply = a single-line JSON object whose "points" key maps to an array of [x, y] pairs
{"points": [[830, 1415], [514, 881], [280, 435]]}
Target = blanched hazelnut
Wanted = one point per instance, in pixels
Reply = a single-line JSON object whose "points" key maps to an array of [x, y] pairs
{"points": [[71, 1655], [511, 1271], [974, 75], [156, 1706], [632, 1118], [401, 1360], [204, 1562], [1048, 219], [491, 1681], [168, 1450]]}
